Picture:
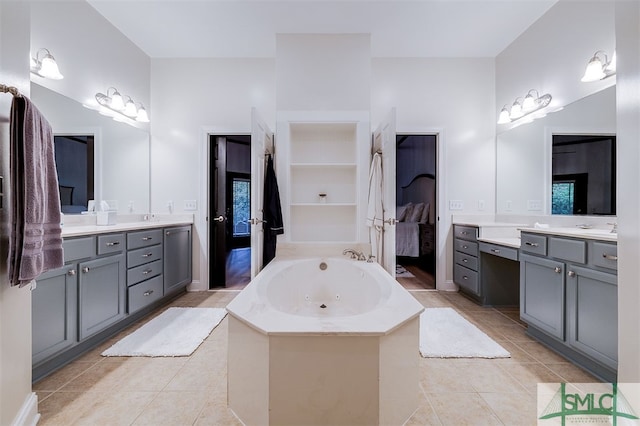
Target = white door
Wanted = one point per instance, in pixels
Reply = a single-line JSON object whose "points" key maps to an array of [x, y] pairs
{"points": [[261, 140], [384, 141]]}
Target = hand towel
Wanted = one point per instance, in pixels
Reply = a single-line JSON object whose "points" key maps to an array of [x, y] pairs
{"points": [[35, 245], [375, 211], [272, 213]]}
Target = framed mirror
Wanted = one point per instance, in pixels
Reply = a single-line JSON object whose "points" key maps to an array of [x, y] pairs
{"points": [[120, 168], [524, 156]]}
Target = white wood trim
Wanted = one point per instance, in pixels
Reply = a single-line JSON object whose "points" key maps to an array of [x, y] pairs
{"points": [[28, 414]]}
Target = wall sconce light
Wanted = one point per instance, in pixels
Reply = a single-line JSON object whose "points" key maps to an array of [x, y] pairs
{"points": [[599, 67], [532, 102], [46, 66], [113, 104]]}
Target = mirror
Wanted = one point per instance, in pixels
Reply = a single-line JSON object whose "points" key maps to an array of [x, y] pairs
{"points": [[121, 152], [524, 154]]}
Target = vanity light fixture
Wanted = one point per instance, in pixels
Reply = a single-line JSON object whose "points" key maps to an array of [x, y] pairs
{"points": [[113, 104], [599, 67], [532, 102], [46, 65]]}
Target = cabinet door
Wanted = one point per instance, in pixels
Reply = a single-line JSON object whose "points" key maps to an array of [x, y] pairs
{"points": [[592, 314], [542, 294], [102, 284], [177, 258], [53, 312]]}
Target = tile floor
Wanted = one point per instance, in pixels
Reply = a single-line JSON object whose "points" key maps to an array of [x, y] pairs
{"points": [[94, 390]]}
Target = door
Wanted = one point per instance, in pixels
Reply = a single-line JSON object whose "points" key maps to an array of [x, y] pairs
{"points": [[384, 141], [177, 258], [261, 140], [217, 211]]}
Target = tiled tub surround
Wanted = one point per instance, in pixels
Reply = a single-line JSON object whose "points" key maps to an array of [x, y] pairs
{"points": [[95, 390], [323, 341]]}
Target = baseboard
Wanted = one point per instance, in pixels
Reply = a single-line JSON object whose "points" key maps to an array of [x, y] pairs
{"points": [[28, 414], [448, 285]]}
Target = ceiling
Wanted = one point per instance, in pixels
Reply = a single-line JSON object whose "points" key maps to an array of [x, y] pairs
{"points": [[240, 28]]}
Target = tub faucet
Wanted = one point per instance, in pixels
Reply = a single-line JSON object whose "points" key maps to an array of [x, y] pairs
{"points": [[354, 254]]}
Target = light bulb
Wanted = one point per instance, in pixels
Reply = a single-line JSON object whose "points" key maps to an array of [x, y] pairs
{"points": [[130, 109], [116, 101], [594, 70], [504, 116], [142, 115], [49, 68], [611, 66], [516, 110], [529, 103]]}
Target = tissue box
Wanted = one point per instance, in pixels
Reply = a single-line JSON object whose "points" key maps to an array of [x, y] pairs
{"points": [[106, 218]]}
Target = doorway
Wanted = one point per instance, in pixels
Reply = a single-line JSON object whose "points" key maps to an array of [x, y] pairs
{"points": [[229, 211], [74, 157], [416, 211]]}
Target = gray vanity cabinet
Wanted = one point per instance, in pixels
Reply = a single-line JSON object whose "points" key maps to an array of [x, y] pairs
{"points": [[542, 294], [177, 258], [54, 312], [101, 293], [466, 252]]}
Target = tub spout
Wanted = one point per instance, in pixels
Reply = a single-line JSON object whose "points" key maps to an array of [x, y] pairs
{"points": [[354, 254]]}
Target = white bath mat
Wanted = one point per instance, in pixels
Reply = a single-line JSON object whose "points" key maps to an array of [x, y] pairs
{"points": [[402, 272], [446, 334], [175, 332]]}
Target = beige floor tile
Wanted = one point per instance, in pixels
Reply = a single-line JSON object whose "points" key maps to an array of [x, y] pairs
{"points": [[150, 374], [425, 415], [216, 412], [102, 377], [513, 408], [462, 409], [489, 317], [514, 332], [529, 375], [443, 375], [197, 376], [488, 376], [571, 373], [541, 353], [63, 376], [64, 408], [517, 354], [162, 410], [116, 408]]}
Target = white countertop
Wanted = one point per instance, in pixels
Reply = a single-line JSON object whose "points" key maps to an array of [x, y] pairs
{"points": [[591, 234], [513, 242], [79, 230]]}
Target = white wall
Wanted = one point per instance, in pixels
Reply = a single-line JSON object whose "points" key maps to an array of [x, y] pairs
{"points": [[455, 98], [17, 403], [193, 97], [628, 104], [91, 53], [551, 55]]}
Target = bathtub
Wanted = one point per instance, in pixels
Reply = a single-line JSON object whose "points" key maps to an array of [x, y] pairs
{"points": [[323, 341]]}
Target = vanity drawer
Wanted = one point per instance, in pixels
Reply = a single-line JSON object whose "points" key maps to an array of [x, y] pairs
{"points": [[110, 243], [468, 247], [536, 244], [568, 249], [144, 238], [144, 255], [144, 294], [465, 232], [79, 248], [604, 255], [498, 250], [144, 272], [466, 278], [466, 260]]}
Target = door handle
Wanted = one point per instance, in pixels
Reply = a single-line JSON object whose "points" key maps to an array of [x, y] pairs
{"points": [[219, 219], [253, 221], [391, 221]]}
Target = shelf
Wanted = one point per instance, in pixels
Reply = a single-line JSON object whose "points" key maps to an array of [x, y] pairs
{"points": [[323, 165], [323, 204]]}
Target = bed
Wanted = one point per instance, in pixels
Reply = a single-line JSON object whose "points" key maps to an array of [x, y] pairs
{"points": [[415, 229]]}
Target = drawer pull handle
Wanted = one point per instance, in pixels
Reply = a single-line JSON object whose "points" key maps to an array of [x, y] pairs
{"points": [[113, 243], [147, 293], [571, 273], [147, 238], [85, 269], [495, 250], [148, 271], [465, 247], [465, 277], [609, 256], [557, 269], [147, 254], [464, 232], [465, 260], [71, 272], [531, 244]]}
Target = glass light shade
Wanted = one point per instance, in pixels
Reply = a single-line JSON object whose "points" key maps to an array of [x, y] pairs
{"points": [[611, 66], [130, 109], [516, 111], [142, 115], [503, 118], [49, 68], [116, 101], [594, 71], [529, 103]]}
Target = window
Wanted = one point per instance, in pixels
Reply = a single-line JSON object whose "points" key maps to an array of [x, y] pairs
{"points": [[241, 206]]}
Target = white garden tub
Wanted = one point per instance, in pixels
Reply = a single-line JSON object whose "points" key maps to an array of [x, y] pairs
{"points": [[323, 341]]}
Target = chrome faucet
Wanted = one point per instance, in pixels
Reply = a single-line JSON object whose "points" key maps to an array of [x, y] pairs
{"points": [[614, 230], [354, 254]]}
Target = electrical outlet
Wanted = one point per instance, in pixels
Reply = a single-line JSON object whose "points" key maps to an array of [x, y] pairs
{"points": [[480, 205], [508, 205], [190, 205], [131, 206], [456, 205], [534, 205], [170, 206]]}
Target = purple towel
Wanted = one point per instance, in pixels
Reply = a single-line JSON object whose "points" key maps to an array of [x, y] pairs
{"points": [[35, 243]]}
